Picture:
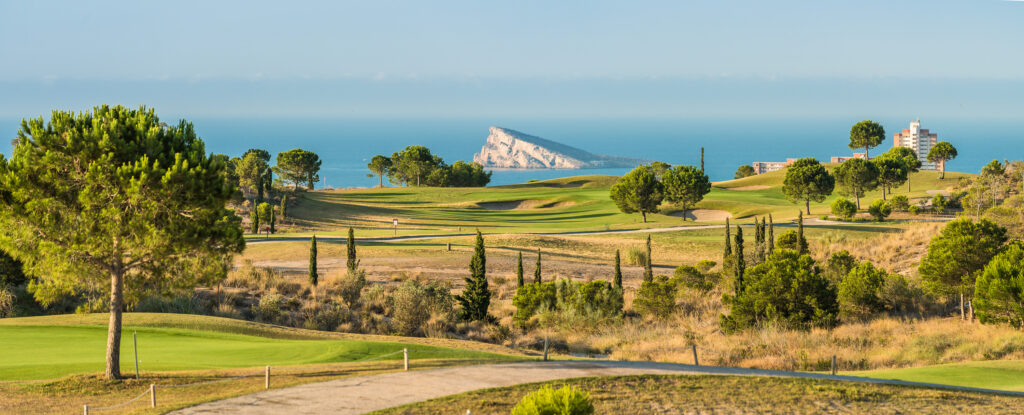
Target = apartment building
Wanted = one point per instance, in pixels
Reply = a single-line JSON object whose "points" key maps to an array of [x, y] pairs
{"points": [[920, 140], [761, 167]]}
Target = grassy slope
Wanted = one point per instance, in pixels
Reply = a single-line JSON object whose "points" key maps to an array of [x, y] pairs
{"points": [[997, 374], [578, 203], [54, 346], [729, 394]]}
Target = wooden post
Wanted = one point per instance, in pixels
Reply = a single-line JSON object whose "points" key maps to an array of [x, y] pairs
{"points": [[86, 409], [152, 395], [449, 246], [833, 365], [266, 383], [135, 340], [694, 347], [405, 352], [545, 347]]}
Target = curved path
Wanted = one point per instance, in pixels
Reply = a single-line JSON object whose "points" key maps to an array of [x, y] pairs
{"points": [[369, 393], [811, 222]]}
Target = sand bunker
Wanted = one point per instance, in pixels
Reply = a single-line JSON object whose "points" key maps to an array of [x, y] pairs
{"points": [[703, 215], [755, 187], [524, 204]]}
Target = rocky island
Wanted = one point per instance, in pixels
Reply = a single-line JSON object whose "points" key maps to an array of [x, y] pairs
{"points": [[510, 149]]}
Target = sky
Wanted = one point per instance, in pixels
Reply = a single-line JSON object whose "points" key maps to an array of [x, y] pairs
{"points": [[723, 58]]}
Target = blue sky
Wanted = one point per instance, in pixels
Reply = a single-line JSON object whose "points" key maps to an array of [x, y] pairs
{"points": [[942, 58]]}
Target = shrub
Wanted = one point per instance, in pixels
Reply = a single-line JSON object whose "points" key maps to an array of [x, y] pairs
{"points": [[595, 300], [788, 289], [858, 292], [837, 266], [691, 277], [844, 208], [412, 305], [268, 309], [325, 317], [880, 210], [899, 203], [903, 297], [181, 304], [705, 265], [656, 298], [567, 400], [939, 203], [999, 290], [532, 298], [6, 302], [914, 210], [350, 287], [636, 257], [788, 240]]}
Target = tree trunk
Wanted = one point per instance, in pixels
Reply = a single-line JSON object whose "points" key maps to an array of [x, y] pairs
{"points": [[381, 180], [114, 326], [867, 156], [883, 192], [857, 196], [644, 214], [970, 311], [807, 203], [908, 185], [942, 170], [963, 315]]}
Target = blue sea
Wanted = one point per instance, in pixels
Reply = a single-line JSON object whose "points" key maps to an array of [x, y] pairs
{"points": [[346, 145]]}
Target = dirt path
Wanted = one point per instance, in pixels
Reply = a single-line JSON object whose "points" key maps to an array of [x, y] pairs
{"points": [[370, 393]]}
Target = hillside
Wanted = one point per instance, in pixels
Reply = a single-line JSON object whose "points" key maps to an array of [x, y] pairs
{"points": [[510, 149]]}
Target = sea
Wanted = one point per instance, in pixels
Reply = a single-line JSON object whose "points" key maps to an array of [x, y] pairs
{"points": [[345, 145]]}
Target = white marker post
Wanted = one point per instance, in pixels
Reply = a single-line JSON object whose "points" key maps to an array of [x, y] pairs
{"points": [[406, 353], [395, 222]]}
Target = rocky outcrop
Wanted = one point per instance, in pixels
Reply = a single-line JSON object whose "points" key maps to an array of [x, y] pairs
{"points": [[510, 149]]}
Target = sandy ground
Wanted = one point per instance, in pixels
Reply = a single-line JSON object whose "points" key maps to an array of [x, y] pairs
{"points": [[370, 393]]}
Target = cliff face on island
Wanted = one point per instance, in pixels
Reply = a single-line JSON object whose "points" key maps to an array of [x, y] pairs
{"points": [[510, 149]]}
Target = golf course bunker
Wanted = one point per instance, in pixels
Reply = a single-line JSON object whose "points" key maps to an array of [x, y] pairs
{"points": [[525, 204], [703, 215]]}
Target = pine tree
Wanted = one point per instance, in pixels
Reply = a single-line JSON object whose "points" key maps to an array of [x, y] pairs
{"points": [[476, 297], [313, 275], [536, 271], [284, 207], [801, 242], [771, 234], [254, 221], [648, 269], [519, 271], [728, 241], [352, 262], [740, 262], [618, 270]]}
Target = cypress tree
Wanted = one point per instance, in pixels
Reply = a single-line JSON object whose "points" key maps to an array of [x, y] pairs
{"points": [[476, 297], [313, 275], [618, 270], [702, 159], [728, 241], [273, 220], [759, 239], [352, 263], [771, 234], [648, 269], [284, 207], [740, 262], [536, 271], [254, 219], [801, 242], [519, 271]]}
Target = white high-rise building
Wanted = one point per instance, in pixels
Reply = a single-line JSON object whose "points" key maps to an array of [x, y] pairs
{"points": [[919, 140]]}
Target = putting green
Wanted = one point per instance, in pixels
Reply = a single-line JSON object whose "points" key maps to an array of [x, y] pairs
{"points": [[995, 374], [46, 352]]}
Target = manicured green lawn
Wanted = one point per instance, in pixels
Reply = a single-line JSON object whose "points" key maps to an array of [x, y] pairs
{"points": [[49, 351], [998, 374]]}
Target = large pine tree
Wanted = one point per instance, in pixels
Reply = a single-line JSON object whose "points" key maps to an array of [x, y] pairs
{"points": [[476, 297]]}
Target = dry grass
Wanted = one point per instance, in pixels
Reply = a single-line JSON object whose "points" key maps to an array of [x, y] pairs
{"points": [[900, 254]]}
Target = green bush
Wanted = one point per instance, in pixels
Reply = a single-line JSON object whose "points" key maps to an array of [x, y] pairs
{"points": [[592, 300], [656, 298], [691, 277], [7, 300], [350, 287], [844, 208], [999, 290], [636, 257], [787, 288], [268, 309], [880, 210], [837, 266], [788, 240], [899, 203], [705, 265], [412, 304], [914, 210], [903, 297], [859, 292], [567, 400]]}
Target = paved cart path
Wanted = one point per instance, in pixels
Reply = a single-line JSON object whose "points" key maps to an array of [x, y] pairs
{"points": [[369, 393]]}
